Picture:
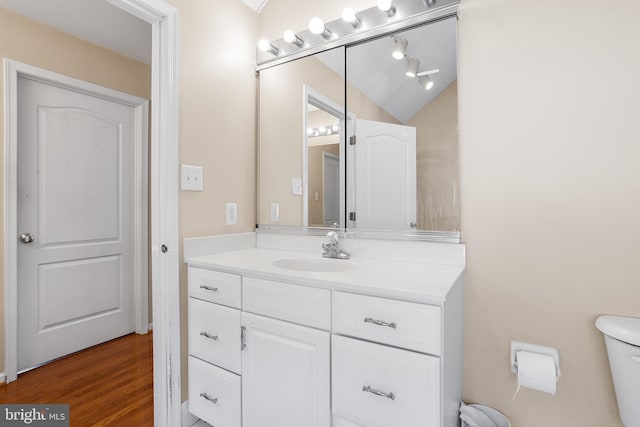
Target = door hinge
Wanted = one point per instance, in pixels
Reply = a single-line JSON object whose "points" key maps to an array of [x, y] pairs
{"points": [[352, 140], [352, 216], [243, 337]]}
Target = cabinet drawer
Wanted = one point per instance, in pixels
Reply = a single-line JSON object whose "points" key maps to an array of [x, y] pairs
{"points": [[214, 394], [214, 334], [298, 304], [398, 323], [221, 288], [377, 385]]}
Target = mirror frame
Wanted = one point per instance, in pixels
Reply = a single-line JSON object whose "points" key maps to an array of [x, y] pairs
{"points": [[448, 9]]}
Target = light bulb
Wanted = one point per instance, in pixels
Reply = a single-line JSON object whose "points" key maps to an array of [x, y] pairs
{"points": [[412, 67], [335, 128], [349, 15], [400, 48], [426, 82], [387, 7], [322, 129], [291, 37], [266, 46], [309, 131], [316, 26]]}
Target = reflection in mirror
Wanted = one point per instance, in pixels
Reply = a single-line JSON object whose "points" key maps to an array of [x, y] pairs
{"points": [[403, 169], [299, 179], [323, 167]]}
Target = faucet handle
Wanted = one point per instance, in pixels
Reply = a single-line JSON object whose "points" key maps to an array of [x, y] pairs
{"points": [[332, 236]]}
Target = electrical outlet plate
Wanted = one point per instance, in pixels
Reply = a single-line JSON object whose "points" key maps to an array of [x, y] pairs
{"points": [[191, 178], [296, 187], [275, 212], [231, 210]]}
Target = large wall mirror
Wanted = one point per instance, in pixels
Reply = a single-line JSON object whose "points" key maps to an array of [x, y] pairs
{"points": [[364, 137]]}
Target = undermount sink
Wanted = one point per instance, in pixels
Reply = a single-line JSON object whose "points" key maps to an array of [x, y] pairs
{"points": [[324, 265]]}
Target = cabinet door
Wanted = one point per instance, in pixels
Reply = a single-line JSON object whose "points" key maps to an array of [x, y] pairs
{"points": [[285, 374]]}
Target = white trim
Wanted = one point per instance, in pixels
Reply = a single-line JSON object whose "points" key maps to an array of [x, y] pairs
{"points": [[164, 204], [3, 377], [14, 70], [315, 98]]}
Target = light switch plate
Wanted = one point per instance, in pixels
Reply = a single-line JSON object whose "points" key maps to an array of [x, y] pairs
{"points": [[275, 212], [191, 178], [296, 187], [231, 210]]}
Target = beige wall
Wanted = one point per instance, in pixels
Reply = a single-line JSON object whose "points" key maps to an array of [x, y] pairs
{"points": [[217, 122], [437, 169], [281, 140], [549, 190], [29, 42], [550, 195]]}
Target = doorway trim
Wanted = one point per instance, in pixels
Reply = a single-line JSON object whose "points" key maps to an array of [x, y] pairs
{"points": [[164, 227], [14, 70]]}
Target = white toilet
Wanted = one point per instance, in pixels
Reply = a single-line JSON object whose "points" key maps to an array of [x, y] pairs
{"points": [[622, 336]]}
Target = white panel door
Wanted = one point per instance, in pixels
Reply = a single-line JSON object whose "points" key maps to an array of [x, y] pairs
{"points": [[285, 374], [76, 201], [330, 188], [385, 176]]}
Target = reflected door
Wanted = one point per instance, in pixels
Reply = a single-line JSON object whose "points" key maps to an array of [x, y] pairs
{"points": [[330, 188], [75, 214], [384, 176]]}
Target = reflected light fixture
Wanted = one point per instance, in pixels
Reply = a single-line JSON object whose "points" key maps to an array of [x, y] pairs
{"points": [[316, 26], [266, 46], [400, 48], [412, 67], [335, 128], [387, 7], [426, 82], [349, 15], [291, 37]]}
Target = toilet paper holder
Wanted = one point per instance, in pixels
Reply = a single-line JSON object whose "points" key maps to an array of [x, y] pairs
{"points": [[517, 346]]}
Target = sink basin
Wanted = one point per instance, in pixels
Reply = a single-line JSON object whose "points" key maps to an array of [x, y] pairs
{"points": [[324, 265]]}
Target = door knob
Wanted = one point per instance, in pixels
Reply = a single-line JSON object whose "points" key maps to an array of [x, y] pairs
{"points": [[26, 238]]}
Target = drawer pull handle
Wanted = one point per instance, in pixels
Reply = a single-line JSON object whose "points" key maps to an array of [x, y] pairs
{"points": [[208, 288], [368, 389], [379, 322], [208, 335], [209, 398]]}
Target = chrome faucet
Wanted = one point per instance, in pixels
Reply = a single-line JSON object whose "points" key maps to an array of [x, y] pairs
{"points": [[332, 247]]}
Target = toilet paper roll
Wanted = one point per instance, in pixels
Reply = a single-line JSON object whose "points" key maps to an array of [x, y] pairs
{"points": [[536, 371]]}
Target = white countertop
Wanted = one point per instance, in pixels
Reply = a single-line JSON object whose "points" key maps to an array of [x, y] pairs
{"points": [[409, 281]]}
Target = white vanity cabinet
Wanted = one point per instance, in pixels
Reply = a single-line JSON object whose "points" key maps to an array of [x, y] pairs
{"points": [[285, 365], [275, 349]]}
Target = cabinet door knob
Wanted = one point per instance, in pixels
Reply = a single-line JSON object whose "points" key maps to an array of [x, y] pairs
{"points": [[369, 389], [379, 322]]}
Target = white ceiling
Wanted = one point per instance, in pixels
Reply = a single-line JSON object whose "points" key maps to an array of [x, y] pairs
{"points": [[372, 70], [96, 21]]}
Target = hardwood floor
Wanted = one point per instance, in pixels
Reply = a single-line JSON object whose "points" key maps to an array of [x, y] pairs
{"points": [[110, 384]]}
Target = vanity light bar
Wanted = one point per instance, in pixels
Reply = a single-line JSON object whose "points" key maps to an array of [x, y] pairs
{"points": [[323, 131], [355, 26]]}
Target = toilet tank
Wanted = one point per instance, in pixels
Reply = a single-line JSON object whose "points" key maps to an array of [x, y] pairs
{"points": [[622, 337]]}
